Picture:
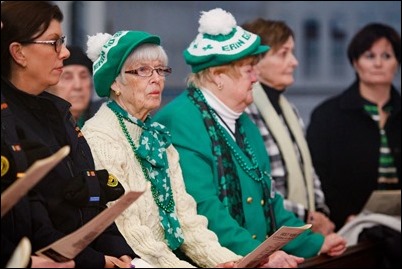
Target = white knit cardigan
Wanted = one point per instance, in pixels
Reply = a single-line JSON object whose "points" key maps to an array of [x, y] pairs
{"points": [[140, 223]]}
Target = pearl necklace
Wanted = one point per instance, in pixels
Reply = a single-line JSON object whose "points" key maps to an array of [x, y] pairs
{"points": [[155, 194]]}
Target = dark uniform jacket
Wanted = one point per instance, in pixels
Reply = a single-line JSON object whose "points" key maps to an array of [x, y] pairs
{"points": [[66, 190], [17, 222], [344, 142]]}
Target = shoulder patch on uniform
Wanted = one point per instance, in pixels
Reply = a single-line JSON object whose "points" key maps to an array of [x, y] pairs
{"points": [[112, 181], [5, 165]]}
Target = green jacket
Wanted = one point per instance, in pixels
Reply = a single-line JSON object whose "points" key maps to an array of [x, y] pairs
{"points": [[193, 143]]}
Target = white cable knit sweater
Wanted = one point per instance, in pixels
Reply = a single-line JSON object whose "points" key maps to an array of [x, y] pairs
{"points": [[140, 223]]}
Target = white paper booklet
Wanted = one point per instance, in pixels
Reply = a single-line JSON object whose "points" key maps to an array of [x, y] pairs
{"points": [[276, 241], [386, 202], [32, 176], [21, 255]]}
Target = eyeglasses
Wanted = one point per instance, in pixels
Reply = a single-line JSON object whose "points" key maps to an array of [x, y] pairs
{"points": [[147, 71], [56, 43]]}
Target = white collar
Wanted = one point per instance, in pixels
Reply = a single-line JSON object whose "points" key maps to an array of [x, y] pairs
{"points": [[225, 113]]}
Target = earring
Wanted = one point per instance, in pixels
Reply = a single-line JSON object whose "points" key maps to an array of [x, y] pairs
{"points": [[220, 87], [118, 93]]}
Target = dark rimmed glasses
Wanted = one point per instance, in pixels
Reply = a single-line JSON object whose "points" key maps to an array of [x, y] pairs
{"points": [[147, 71], [58, 43]]}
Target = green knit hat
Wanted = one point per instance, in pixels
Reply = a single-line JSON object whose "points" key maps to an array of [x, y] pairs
{"points": [[109, 53], [220, 41]]}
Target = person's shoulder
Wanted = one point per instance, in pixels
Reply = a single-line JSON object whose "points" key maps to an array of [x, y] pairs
{"points": [[94, 106], [97, 123], [328, 104]]}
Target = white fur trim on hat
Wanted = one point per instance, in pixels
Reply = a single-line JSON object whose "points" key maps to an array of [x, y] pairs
{"points": [[95, 44]]}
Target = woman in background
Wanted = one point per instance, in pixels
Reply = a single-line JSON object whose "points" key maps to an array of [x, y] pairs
{"points": [[355, 137], [282, 128]]}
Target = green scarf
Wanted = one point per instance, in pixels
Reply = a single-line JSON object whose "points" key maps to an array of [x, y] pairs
{"points": [[151, 154], [228, 180]]}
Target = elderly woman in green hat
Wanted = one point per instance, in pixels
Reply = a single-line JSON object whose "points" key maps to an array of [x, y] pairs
{"points": [[163, 226], [223, 158]]}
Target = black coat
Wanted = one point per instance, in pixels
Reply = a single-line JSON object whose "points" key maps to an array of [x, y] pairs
{"points": [[17, 222], [344, 142], [46, 120]]}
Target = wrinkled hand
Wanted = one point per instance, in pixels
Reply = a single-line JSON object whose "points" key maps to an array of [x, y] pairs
{"points": [[126, 258], [113, 262], [321, 223], [227, 265], [334, 245], [280, 259], [350, 218], [41, 262]]}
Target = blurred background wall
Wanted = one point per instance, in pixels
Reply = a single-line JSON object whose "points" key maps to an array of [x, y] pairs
{"points": [[323, 31]]}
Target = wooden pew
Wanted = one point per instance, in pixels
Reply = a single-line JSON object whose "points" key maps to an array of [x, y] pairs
{"points": [[363, 255]]}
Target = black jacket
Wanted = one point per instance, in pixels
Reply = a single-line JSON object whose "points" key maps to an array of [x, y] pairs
{"points": [[344, 142], [17, 222], [45, 119]]}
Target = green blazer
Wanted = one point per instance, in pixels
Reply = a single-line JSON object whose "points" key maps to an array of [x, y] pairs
{"points": [[193, 143]]}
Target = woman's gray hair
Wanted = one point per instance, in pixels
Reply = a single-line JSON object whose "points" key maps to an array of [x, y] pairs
{"points": [[145, 52]]}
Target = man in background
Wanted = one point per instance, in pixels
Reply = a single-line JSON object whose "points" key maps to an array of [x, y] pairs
{"points": [[75, 86]]}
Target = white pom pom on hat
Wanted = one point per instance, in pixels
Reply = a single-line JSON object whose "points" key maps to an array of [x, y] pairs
{"points": [[95, 44], [220, 41], [216, 22]]}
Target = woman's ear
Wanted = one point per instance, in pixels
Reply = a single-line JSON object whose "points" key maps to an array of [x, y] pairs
{"points": [[114, 85], [354, 63], [216, 75], [17, 53], [115, 88]]}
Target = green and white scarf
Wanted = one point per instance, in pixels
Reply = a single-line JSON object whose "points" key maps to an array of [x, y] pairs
{"points": [[151, 154]]}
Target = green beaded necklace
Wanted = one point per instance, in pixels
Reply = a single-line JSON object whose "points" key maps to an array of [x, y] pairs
{"points": [[155, 193], [254, 170], [223, 148], [152, 157]]}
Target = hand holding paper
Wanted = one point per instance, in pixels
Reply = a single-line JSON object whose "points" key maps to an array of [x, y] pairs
{"points": [[277, 240]]}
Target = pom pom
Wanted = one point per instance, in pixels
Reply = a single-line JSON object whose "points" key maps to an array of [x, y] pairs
{"points": [[216, 21], [95, 44]]}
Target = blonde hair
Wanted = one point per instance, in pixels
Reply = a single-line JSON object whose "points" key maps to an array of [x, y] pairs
{"points": [[231, 69]]}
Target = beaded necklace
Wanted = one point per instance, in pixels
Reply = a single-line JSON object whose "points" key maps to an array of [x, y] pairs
{"points": [[152, 157], [155, 193], [253, 171], [230, 192], [228, 182]]}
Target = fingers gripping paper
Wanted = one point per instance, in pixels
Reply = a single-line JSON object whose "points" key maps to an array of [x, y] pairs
{"points": [[276, 241]]}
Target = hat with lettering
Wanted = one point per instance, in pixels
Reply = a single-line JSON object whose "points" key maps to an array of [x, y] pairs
{"points": [[220, 41], [109, 53]]}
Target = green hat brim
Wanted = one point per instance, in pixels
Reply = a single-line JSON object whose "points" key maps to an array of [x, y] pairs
{"points": [[116, 55]]}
